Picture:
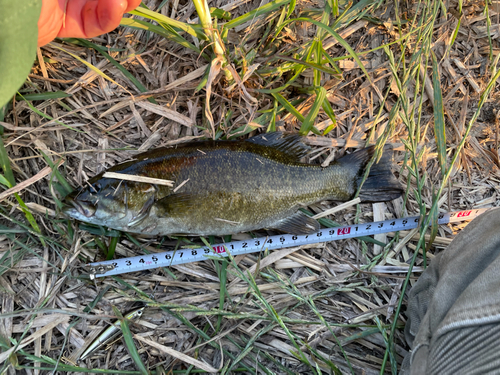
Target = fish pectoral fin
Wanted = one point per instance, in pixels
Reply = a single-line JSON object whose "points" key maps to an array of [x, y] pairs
{"points": [[291, 144], [298, 223], [143, 213], [177, 202]]}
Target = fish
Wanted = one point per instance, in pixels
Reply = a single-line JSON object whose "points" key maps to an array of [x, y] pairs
{"points": [[109, 334], [228, 187]]}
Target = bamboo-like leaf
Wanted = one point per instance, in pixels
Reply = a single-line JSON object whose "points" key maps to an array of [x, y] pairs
{"points": [[439, 126]]}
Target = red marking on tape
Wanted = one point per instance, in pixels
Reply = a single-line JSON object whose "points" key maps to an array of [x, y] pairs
{"points": [[464, 213], [219, 249], [344, 231]]}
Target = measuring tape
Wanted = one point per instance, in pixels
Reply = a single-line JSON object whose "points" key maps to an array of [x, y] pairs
{"points": [[181, 256]]}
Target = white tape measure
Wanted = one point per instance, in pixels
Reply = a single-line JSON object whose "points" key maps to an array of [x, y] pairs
{"points": [[180, 256]]}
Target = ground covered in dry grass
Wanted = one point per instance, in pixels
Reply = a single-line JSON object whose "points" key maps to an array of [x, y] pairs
{"points": [[428, 87]]}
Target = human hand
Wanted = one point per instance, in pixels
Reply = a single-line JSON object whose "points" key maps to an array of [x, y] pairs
{"points": [[80, 18]]}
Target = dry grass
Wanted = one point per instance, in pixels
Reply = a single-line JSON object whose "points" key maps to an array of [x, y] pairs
{"points": [[327, 307]]}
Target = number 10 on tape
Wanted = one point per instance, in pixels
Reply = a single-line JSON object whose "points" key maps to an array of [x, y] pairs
{"points": [[170, 258]]}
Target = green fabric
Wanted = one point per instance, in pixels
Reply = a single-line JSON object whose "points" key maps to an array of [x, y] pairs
{"points": [[18, 42], [454, 308]]}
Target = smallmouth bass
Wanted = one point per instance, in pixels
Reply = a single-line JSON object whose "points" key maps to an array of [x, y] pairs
{"points": [[228, 187]]}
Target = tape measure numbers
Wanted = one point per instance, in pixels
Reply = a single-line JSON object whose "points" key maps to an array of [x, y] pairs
{"points": [[181, 256]]}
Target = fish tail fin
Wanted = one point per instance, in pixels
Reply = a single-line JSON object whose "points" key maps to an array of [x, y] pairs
{"points": [[380, 185]]}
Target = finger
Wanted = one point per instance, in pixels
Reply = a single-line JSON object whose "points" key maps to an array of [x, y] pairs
{"points": [[86, 19], [73, 25], [50, 20], [132, 4], [104, 18]]}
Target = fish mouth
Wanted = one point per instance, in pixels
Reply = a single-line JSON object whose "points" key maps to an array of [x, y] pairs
{"points": [[84, 208]]}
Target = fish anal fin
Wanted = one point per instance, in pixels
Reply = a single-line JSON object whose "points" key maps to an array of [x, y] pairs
{"points": [[290, 144], [299, 223]]}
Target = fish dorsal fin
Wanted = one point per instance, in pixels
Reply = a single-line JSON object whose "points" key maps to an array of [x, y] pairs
{"points": [[290, 144], [299, 223]]}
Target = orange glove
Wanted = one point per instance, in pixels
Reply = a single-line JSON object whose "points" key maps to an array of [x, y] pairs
{"points": [[80, 18]]}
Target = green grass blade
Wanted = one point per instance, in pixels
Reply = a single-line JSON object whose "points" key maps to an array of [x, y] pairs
{"points": [[269, 7], [220, 13], [291, 8], [439, 125], [332, 63], [24, 208], [455, 32], [315, 66], [288, 106], [296, 75], [170, 34], [65, 184], [119, 66], [308, 123], [272, 125], [5, 164], [113, 241], [194, 30], [327, 107], [332, 32], [130, 344], [335, 7], [44, 96], [488, 31], [92, 67], [37, 111]]}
